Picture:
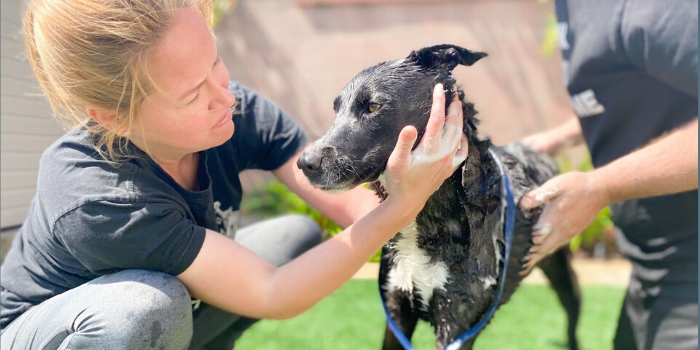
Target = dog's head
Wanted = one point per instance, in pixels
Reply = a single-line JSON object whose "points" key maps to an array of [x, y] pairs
{"points": [[372, 110]]}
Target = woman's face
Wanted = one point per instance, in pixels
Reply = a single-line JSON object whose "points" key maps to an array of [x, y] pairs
{"points": [[190, 110]]}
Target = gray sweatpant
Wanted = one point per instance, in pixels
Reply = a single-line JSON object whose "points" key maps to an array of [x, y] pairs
{"points": [[658, 316], [141, 309]]}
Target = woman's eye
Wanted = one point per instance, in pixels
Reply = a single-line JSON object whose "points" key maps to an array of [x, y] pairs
{"points": [[193, 100], [373, 107]]}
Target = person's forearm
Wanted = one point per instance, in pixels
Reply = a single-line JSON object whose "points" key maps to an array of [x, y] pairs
{"points": [[297, 286], [347, 207], [571, 133], [566, 135], [666, 166], [555, 140]]}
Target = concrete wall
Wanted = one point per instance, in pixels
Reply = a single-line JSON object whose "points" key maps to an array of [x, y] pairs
{"points": [[302, 56], [26, 126]]}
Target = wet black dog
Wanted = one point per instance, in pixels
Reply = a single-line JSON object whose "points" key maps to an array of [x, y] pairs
{"points": [[445, 266]]}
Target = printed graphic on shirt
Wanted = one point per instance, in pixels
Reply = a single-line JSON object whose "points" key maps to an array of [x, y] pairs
{"points": [[227, 220], [565, 68], [585, 104], [562, 31]]}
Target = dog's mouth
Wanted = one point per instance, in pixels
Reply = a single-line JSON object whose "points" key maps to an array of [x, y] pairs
{"points": [[336, 174], [339, 181]]}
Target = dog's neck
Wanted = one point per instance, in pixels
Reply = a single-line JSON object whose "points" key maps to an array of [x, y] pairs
{"points": [[456, 222], [479, 173]]}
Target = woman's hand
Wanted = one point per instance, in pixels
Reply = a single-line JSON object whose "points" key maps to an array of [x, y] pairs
{"points": [[572, 202], [412, 176]]}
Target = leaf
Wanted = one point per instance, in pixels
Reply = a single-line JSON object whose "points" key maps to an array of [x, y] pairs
{"points": [[550, 42]]}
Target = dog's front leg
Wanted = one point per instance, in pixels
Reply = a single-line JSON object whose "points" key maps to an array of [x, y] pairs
{"points": [[404, 315], [442, 341], [450, 319], [399, 304], [561, 276]]}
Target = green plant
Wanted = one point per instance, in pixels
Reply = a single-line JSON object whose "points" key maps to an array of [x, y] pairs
{"points": [[221, 7], [550, 40], [276, 199]]}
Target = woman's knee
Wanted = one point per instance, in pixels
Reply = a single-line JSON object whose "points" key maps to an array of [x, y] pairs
{"points": [[160, 288], [303, 234], [281, 239], [308, 231], [143, 307]]}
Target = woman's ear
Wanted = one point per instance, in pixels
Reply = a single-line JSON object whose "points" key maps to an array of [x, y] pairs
{"points": [[105, 117]]}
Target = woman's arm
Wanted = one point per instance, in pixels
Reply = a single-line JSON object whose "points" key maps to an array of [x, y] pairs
{"points": [[344, 208], [231, 277]]}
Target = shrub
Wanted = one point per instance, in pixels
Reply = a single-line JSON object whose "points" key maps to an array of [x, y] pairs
{"points": [[276, 199]]}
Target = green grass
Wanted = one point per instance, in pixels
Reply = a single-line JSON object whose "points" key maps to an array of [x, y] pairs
{"points": [[352, 318]]}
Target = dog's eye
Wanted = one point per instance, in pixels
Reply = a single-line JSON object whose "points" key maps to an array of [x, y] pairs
{"points": [[373, 107]]}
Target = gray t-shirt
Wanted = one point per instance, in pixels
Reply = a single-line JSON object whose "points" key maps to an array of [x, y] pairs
{"points": [[631, 68], [92, 217]]}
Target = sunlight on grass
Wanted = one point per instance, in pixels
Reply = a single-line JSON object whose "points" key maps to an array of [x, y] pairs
{"points": [[352, 318]]}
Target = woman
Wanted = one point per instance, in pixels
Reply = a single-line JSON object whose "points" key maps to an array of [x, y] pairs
{"points": [[127, 223]]}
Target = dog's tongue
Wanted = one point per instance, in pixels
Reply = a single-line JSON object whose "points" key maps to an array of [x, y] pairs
{"points": [[317, 187]]}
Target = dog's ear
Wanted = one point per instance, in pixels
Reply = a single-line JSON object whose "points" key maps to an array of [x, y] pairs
{"points": [[445, 57]]}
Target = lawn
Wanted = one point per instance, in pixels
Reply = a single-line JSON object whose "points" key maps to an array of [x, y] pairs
{"points": [[352, 318]]}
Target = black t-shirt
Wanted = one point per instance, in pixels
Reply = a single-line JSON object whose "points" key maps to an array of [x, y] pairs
{"points": [[631, 68], [93, 217]]}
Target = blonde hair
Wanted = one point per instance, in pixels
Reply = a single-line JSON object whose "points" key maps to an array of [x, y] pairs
{"points": [[92, 53]]}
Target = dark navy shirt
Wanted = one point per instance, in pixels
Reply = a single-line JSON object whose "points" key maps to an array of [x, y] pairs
{"points": [[631, 69], [93, 217]]}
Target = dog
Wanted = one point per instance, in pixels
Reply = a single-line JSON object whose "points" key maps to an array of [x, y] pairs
{"points": [[444, 268]]}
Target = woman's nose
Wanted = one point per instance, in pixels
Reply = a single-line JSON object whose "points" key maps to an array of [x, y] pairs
{"points": [[224, 97], [229, 98]]}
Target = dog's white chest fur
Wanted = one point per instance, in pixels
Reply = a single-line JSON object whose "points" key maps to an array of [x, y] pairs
{"points": [[413, 267]]}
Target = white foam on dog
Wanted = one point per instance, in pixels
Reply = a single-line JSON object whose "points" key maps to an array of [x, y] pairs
{"points": [[544, 197], [488, 281], [449, 143], [397, 63]]}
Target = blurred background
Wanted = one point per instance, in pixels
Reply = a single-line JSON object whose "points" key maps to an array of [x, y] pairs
{"points": [[300, 54]]}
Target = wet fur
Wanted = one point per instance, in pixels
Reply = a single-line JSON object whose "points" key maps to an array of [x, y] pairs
{"points": [[460, 229]]}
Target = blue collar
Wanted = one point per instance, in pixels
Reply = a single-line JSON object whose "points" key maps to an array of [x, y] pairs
{"points": [[507, 192]]}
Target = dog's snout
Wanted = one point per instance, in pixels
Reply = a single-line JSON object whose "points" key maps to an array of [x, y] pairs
{"points": [[310, 163]]}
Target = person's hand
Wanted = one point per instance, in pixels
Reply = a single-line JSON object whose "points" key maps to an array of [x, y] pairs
{"points": [[545, 142], [412, 176], [572, 202], [555, 140]]}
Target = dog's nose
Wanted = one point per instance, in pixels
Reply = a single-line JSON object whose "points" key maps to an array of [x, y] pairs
{"points": [[310, 163]]}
